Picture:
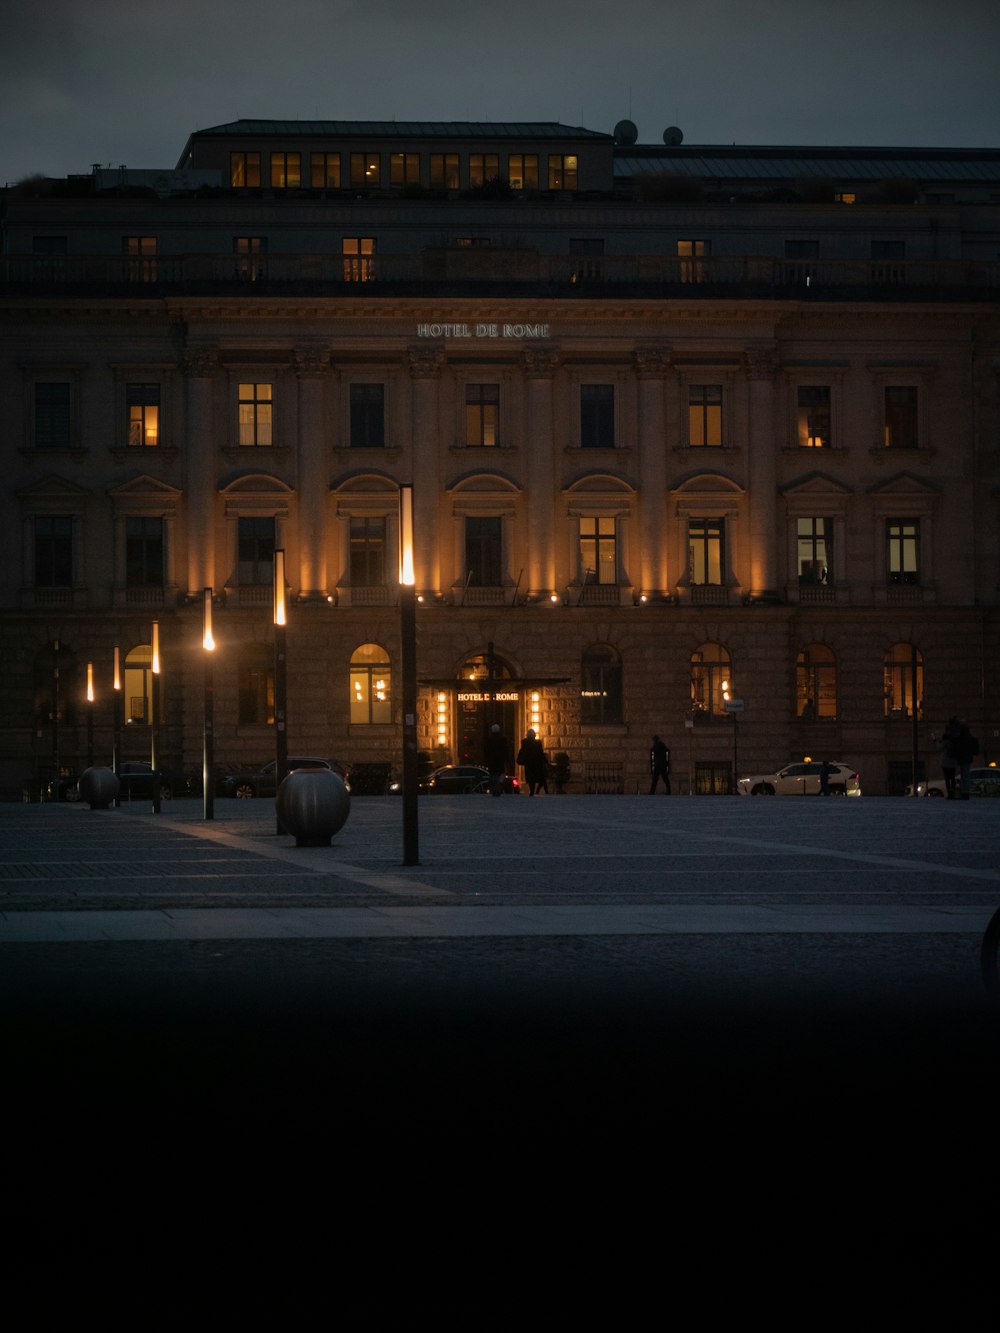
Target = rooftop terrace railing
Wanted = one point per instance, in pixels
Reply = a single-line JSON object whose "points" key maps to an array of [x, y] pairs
{"points": [[500, 272]]}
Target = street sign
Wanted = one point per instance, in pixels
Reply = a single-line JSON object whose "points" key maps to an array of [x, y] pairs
{"points": [[734, 705]]}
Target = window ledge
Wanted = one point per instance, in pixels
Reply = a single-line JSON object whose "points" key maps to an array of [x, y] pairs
{"points": [[708, 448], [597, 449], [120, 452], [482, 448], [901, 451], [48, 450], [237, 451], [821, 450], [380, 450]]}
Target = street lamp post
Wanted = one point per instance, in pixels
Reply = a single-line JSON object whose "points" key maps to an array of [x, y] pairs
{"points": [[208, 743], [408, 670], [280, 674], [154, 710], [116, 716], [90, 715]]}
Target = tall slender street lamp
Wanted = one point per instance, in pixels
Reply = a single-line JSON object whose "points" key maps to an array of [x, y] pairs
{"points": [[408, 669], [280, 674], [116, 717], [90, 715], [208, 745], [154, 716]]}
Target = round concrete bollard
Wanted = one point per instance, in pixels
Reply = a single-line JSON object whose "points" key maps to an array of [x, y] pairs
{"points": [[313, 804], [98, 786]]}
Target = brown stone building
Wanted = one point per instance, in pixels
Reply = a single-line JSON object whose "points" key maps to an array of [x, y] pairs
{"points": [[686, 428]]}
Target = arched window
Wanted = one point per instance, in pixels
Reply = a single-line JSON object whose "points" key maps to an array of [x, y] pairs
{"points": [[371, 698], [138, 684], [816, 683], [711, 681], [903, 681], [600, 686], [256, 684]]}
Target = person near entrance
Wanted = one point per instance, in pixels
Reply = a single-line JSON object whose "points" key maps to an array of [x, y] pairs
{"points": [[659, 765], [497, 756], [536, 765]]}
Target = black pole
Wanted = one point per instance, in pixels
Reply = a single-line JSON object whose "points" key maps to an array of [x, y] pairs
{"points": [[280, 707], [408, 661], [913, 716], [208, 745]]}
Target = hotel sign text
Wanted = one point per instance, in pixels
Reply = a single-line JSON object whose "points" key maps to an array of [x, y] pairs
{"points": [[483, 330]]}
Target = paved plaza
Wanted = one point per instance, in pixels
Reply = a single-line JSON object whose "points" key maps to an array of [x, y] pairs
{"points": [[763, 1019]]}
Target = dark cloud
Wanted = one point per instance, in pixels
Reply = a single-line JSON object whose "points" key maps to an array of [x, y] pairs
{"points": [[101, 80]]}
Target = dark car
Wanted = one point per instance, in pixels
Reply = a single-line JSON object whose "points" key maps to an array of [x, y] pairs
{"points": [[460, 780], [262, 781]]}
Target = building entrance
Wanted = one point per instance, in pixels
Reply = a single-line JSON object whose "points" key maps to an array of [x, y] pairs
{"points": [[482, 698]]}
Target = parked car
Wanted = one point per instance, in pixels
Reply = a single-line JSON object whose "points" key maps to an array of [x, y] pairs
{"points": [[262, 781], [983, 781], [457, 780], [135, 779], [802, 780]]}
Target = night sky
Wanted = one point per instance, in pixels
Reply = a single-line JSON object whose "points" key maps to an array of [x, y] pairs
{"points": [[85, 81]]}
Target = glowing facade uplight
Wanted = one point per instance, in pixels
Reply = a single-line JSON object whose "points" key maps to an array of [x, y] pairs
{"points": [[90, 682], [406, 575], [117, 681], [208, 641], [279, 588], [535, 709], [156, 648], [442, 720]]}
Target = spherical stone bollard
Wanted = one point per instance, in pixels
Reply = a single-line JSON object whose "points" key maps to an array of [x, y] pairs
{"points": [[99, 786], [313, 804]]}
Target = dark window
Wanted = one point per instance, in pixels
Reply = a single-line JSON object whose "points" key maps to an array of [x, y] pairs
{"points": [[250, 261], [901, 417], [562, 171], [324, 171], [690, 254], [597, 416], [52, 415], [50, 245], [601, 686], [54, 552], [482, 414], [483, 168], [142, 402], [802, 249], [366, 170], [367, 552], [813, 416], [256, 685], [587, 253], [144, 552], [444, 171], [244, 170], [367, 416], [141, 252], [484, 552], [255, 540], [404, 168]]}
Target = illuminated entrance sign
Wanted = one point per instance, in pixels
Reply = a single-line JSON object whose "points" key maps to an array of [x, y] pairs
{"points": [[499, 696], [483, 330]]}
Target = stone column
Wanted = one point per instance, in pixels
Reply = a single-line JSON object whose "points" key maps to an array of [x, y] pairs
{"points": [[311, 367], [540, 365], [200, 369], [652, 365], [760, 365], [426, 364]]}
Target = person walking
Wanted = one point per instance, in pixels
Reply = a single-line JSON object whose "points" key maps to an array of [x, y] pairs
{"points": [[659, 765], [948, 764], [963, 748], [536, 765], [497, 755], [825, 769]]}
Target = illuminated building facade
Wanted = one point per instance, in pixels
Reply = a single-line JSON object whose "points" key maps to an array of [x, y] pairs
{"points": [[690, 430]]}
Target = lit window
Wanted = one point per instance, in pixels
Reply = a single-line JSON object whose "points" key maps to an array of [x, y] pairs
{"points": [[142, 402], [705, 542], [250, 261], [256, 685], [483, 168], [816, 683], [359, 258], [711, 681], [141, 253], [244, 170], [522, 171], [598, 551], [482, 413], [324, 171], [404, 168], [903, 681], [562, 171], [903, 550], [137, 684], [690, 253], [444, 171], [366, 170], [705, 415], [286, 171], [256, 415], [815, 550], [371, 700]]}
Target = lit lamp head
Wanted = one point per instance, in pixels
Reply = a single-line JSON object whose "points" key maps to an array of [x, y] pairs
{"points": [[117, 681], [406, 576], [279, 588], [208, 641], [90, 682], [156, 647]]}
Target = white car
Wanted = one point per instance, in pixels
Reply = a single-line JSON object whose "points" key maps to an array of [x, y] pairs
{"points": [[983, 781], [802, 780]]}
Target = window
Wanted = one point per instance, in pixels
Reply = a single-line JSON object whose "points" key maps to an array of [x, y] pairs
{"points": [[690, 254], [367, 429], [286, 171], [53, 552], [903, 681], [562, 171], [142, 402], [366, 170], [144, 553], [813, 416], [601, 686], [705, 415], [141, 252], [368, 542], [137, 684], [900, 417], [52, 415], [404, 168], [815, 550], [522, 171], [371, 701], [250, 261], [482, 414], [597, 416], [324, 171], [816, 683], [244, 171], [587, 253], [711, 681], [484, 552], [845, 197], [359, 258], [255, 541], [483, 168], [256, 418], [598, 551], [903, 550], [705, 546], [256, 685], [444, 171]]}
